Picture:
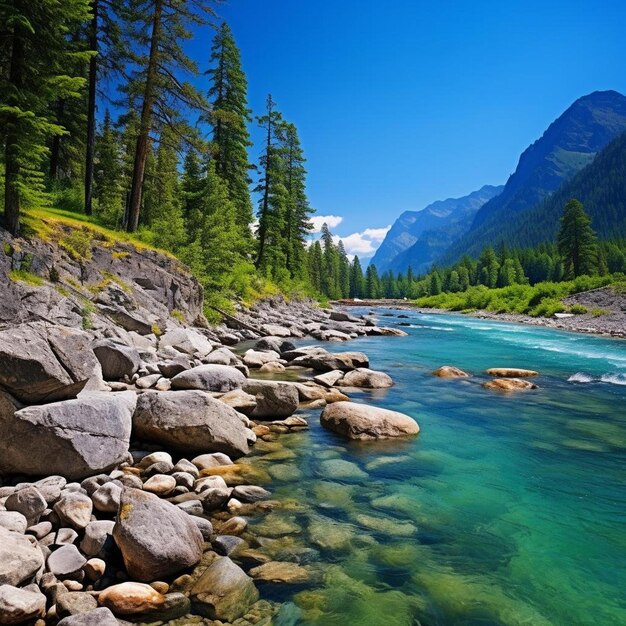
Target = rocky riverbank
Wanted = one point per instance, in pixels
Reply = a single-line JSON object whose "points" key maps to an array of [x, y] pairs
{"points": [[125, 492], [605, 313]]}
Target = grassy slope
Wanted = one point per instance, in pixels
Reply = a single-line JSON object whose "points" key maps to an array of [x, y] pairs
{"points": [[542, 299]]}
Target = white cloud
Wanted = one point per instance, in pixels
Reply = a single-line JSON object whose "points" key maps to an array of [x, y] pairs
{"points": [[363, 243], [317, 221]]}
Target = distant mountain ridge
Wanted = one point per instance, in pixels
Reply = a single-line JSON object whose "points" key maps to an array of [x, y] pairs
{"points": [[569, 144], [435, 226]]}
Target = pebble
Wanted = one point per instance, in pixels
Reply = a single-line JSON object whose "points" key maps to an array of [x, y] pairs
{"points": [[94, 569], [160, 484], [107, 497]]}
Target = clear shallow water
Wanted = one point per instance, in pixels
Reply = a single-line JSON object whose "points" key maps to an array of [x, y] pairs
{"points": [[507, 509]]}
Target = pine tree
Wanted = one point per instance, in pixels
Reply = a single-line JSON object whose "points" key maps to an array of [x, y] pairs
{"points": [[273, 195], [315, 266], [356, 279], [229, 117], [35, 58], [436, 283], [330, 265], [108, 174], [165, 96], [298, 212], [373, 289], [343, 278], [193, 187], [577, 241]]}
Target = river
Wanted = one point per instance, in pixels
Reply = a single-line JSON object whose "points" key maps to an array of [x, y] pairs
{"points": [[507, 509]]}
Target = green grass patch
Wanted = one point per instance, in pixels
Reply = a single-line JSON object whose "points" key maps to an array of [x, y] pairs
{"points": [[24, 276], [540, 300]]}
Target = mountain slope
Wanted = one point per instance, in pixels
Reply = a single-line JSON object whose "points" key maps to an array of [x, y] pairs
{"points": [[568, 145], [442, 220], [601, 187]]}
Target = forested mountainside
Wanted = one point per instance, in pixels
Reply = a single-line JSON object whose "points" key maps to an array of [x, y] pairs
{"points": [[569, 144]]}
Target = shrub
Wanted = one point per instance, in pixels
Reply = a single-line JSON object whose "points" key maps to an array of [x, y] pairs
{"points": [[578, 309], [23, 276]]}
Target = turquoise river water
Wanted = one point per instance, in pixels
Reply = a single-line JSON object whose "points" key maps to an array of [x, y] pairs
{"points": [[507, 509]]}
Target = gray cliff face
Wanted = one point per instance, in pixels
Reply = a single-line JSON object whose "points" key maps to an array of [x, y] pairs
{"points": [[413, 238]]}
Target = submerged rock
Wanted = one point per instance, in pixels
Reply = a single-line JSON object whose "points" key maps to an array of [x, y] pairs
{"points": [[509, 384], [359, 421], [72, 438], [190, 421], [511, 372], [280, 572], [449, 371], [224, 592]]}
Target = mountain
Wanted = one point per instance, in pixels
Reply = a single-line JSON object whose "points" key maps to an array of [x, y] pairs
{"points": [[437, 225], [600, 186], [569, 144]]}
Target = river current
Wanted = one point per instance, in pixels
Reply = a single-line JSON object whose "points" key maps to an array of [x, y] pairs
{"points": [[507, 509]]}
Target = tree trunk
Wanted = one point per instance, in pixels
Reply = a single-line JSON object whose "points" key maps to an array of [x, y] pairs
{"points": [[141, 149], [55, 148], [91, 109], [11, 151]]}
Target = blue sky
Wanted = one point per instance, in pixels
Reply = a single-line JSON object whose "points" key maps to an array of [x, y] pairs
{"points": [[404, 102]]}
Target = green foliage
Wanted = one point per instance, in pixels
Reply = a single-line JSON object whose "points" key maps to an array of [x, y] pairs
{"points": [[577, 241], [77, 243], [87, 314], [578, 309], [24, 276], [177, 315], [598, 312]]}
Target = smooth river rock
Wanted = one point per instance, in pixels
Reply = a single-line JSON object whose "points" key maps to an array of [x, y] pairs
{"points": [[366, 378], [359, 421], [156, 538], [190, 421], [209, 378], [20, 559], [72, 438], [326, 362], [511, 372], [449, 371], [224, 592], [273, 398], [131, 598], [19, 605], [116, 359], [509, 384], [97, 617]]}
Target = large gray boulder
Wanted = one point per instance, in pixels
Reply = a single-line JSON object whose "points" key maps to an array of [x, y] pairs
{"points": [[276, 344], [117, 359], [210, 378], [190, 421], [20, 605], [156, 538], [327, 361], [359, 421], [42, 363], [20, 560], [186, 340], [224, 592], [274, 399], [72, 438]]}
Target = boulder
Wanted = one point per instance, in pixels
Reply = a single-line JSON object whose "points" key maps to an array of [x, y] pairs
{"points": [[186, 340], [273, 367], [359, 421], [20, 560], [131, 598], [250, 493], [369, 379], [275, 330], [509, 384], [511, 372], [206, 461], [239, 400], [66, 562], [20, 605], [96, 535], [222, 356], [117, 359], [273, 398], [386, 331], [75, 603], [449, 371], [210, 378], [37, 366], [341, 316], [107, 497], [13, 520], [155, 537], [72, 438], [326, 362], [27, 501], [97, 617], [329, 378], [190, 421], [160, 484], [275, 344], [256, 359], [224, 592]]}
